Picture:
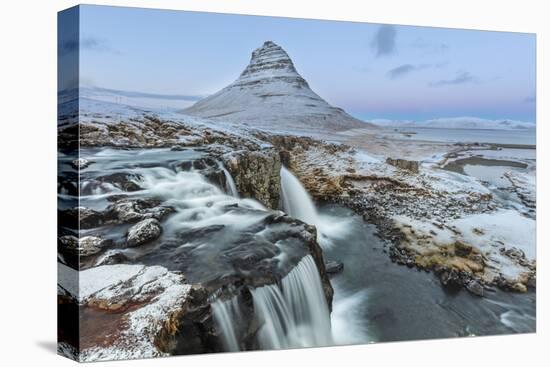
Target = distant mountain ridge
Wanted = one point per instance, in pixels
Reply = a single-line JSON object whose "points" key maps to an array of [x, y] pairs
{"points": [[459, 123], [270, 93]]}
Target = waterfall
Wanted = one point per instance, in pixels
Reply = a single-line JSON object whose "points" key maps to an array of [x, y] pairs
{"points": [[296, 201], [227, 317], [294, 314], [230, 183]]}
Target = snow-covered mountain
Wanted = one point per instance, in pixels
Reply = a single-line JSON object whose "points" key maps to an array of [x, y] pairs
{"points": [[459, 123], [271, 94]]}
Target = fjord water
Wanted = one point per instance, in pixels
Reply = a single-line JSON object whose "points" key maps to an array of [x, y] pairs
{"points": [[520, 137]]}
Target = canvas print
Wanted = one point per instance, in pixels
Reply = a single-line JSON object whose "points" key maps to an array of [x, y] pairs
{"points": [[230, 183]]}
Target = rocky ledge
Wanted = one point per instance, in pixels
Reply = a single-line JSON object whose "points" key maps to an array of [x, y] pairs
{"points": [[431, 219], [130, 311], [146, 284]]}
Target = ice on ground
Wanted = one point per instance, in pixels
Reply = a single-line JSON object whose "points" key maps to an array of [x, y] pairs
{"points": [[452, 182], [162, 292], [362, 157], [505, 226], [95, 280], [490, 233]]}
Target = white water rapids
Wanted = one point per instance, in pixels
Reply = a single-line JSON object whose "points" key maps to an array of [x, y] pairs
{"points": [[227, 316], [296, 201], [294, 313], [210, 221], [230, 183]]}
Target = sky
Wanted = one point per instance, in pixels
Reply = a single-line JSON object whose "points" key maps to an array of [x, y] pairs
{"points": [[373, 71]]}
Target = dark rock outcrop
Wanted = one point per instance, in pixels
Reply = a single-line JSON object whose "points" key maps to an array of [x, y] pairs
{"points": [[134, 210], [334, 267], [145, 231], [122, 180]]}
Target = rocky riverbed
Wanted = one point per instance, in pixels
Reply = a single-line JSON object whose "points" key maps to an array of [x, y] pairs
{"points": [[179, 220], [432, 218], [160, 234]]}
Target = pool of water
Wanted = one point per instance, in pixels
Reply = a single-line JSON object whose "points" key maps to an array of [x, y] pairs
{"points": [[379, 301]]}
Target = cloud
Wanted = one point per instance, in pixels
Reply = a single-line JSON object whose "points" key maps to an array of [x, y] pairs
{"points": [[86, 43], [461, 78], [401, 71], [405, 69], [384, 40]]}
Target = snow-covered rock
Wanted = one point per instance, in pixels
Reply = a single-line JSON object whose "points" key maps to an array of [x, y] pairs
{"points": [[271, 94], [90, 245], [493, 247], [143, 232], [524, 184], [145, 299], [80, 163]]}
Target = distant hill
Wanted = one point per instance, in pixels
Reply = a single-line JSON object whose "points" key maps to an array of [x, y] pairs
{"points": [[459, 123]]}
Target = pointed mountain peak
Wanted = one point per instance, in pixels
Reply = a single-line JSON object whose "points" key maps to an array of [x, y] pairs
{"points": [[271, 94], [269, 61]]}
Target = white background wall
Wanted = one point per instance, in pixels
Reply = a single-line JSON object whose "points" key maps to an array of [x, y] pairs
{"points": [[28, 168]]}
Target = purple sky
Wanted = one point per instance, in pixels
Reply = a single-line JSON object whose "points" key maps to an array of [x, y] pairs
{"points": [[371, 70]]}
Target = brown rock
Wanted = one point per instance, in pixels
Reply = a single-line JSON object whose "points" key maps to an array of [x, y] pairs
{"points": [[405, 164]]}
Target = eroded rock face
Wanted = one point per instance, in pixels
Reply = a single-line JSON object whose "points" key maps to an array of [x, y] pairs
{"points": [[145, 231], [405, 164], [256, 174]]}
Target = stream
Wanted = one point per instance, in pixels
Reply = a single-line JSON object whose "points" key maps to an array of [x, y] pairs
{"points": [[214, 235], [378, 301]]}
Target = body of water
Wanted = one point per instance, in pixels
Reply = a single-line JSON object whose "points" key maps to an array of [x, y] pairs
{"points": [[520, 137], [213, 235], [379, 301]]}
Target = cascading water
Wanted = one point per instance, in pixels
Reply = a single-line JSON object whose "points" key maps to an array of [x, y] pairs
{"points": [[294, 314], [230, 183], [227, 316], [298, 204], [296, 201]]}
